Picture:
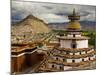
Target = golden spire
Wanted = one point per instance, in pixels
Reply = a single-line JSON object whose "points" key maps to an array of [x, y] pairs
{"points": [[74, 23]]}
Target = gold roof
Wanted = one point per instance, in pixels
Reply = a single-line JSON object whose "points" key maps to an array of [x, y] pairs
{"points": [[75, 25]]}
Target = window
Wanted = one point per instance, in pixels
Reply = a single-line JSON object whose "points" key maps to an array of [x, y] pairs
{"points": [[73, 61], [60, 67], [56, 58], [64, 59], [74, 45], [80, 53], [89, 59], [73, 35], [73, 53], [67, 52], [82, 59], [52, 66]]}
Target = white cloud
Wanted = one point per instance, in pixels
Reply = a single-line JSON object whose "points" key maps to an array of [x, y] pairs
{"points": [[48, 12], [50, 18]]}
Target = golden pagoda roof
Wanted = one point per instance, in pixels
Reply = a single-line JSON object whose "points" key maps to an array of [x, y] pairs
{"points": [[74, 25]]}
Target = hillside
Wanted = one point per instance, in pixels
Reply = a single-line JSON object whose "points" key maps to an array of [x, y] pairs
{"points": [[30, 24]]}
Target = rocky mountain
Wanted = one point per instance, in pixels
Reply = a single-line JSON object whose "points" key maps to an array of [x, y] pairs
{"points": [[30, 24]]}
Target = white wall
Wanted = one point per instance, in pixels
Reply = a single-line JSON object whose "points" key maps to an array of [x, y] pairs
{"points": [[77, 60], [72, 35], [71, 53], [77, 35], [69, 60], [67, 67], [91, 58], [77, 53], [65, 43], [86, 59], [69, 35], [82, 43], [83, 52]]}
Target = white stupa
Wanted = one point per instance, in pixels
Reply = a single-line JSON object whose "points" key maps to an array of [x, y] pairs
{"points": [[73, 51]]}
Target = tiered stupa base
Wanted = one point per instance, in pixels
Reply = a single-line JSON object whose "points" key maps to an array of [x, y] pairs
{"points": [[62, 59]]}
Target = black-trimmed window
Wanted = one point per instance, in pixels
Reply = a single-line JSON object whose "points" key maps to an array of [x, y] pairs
{"points": [[67, 52], [53, 66], [74, 45], [73, 61], [80, 53], [89, 58], [73, 35], [56, 58], [73, 53], [82, 59], [60, 67], [64, 60]]}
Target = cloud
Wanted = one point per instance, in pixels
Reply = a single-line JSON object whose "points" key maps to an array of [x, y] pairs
{"points": [[50, 12], [50, 18]]}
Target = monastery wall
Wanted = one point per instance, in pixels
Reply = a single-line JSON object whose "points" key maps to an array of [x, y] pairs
{"points": [[82, 43], [69, 35], [65, 43]]}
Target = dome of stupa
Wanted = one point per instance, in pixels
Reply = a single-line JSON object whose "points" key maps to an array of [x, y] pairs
{"points": [[74, 25]]}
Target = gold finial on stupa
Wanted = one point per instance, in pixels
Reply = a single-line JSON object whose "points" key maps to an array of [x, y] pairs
{"points": [[74, 23]]}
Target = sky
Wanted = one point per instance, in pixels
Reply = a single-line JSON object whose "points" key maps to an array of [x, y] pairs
{"points": [[50, 12]]}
